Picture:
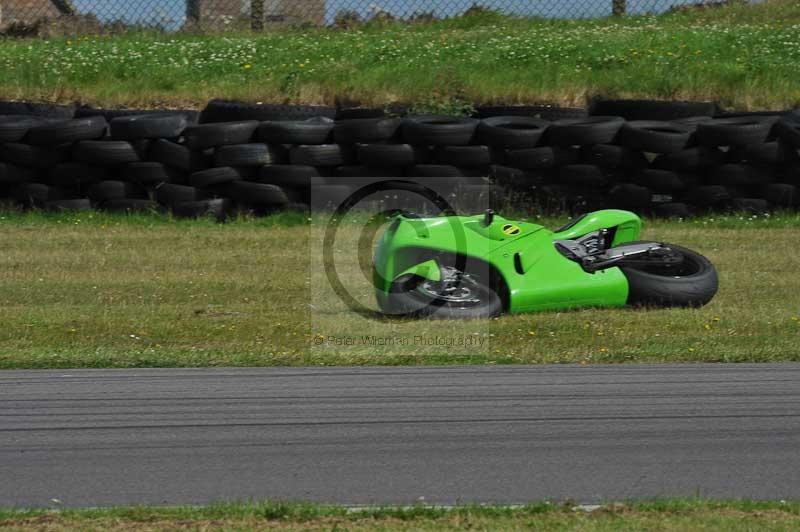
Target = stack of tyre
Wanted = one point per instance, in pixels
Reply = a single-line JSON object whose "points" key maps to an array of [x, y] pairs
{"points": [[135, 162], [671, 168], [651, 159], [77, 163], [332, 152]]}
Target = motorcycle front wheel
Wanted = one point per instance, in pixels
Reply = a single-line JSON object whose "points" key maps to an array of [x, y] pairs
{"points": [[457, 296]]}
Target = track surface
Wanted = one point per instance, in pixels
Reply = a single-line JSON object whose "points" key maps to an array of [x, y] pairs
{"points": [[396, 435]]}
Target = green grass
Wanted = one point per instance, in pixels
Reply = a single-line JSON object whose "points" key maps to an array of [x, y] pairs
{"points": [[746, 56], [666, 515], [96, 290]]}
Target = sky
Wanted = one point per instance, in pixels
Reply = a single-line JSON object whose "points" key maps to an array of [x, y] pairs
{"points": [[172, 12]]}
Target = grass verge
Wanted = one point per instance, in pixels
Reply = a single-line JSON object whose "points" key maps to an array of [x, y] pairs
{"points": [[683, 514], [97, 290], [746, 56]]}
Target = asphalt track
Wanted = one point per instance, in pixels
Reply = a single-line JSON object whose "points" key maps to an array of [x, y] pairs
{"points": [[503, 434]]}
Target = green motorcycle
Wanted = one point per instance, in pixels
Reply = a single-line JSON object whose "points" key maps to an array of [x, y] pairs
{"points": [[457, 267]]}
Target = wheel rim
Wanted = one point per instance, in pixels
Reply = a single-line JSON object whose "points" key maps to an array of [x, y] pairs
{"points": [[455, 288], [671, 264]]}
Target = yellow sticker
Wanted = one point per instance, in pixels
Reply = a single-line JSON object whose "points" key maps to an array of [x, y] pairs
{"points": [[511, 229]]}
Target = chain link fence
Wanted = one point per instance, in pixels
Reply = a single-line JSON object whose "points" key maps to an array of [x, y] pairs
{"points": [[221, 15]]}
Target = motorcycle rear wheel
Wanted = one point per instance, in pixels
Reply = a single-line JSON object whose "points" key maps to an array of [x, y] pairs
{"points": [[692, 283]]}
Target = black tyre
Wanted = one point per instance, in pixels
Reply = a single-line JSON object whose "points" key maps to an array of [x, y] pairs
{"points": [[656, 137], [782, 195], [11, 174], [366, 171], [213, 177], [255, 154], [112, 190], [459, 296], [652, 109], [300, 207], [545, 112], [661, 181], [583, 175], [750, 205], [313, 131], [321, 155], [258, 194], [366, 130], [463, 156], [743, 114], [152, 173], [741, 131], [75, 174], [543, 157], [355, 113], [788, 173], [207, 136], [435, 170], [14, 128], [130, 205], [37, 194], [82, 204], [613, 156], [787, 129], [34, 156], [288, 175], [106, 153], [777, 152], [190, 115], [328, 197], [148, 126], [515, 178], [230, 111], [439, 130], [45, 110], [740, 175], [583, 131], [672, 210], [630, 196], [690, 159], [691, 283], [512, 132], [552, 197], [391, 155], [219, 209], [709, 196], [67, 131], [178, 156], [169, 194]]}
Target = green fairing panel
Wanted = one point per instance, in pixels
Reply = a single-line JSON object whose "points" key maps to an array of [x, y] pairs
{"points": [[543, 279], [538, 277], [629, 226]]}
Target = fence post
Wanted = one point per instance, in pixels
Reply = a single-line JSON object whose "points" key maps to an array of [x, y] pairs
{"points": [[257, 15], [193, 12], [619, 7]]}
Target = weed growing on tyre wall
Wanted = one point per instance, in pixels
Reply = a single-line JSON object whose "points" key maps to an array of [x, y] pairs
{"points": [[101, 290], [744, 56]]}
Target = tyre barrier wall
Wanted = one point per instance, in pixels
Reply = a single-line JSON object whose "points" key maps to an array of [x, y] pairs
{"points": [[663, 160]]}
